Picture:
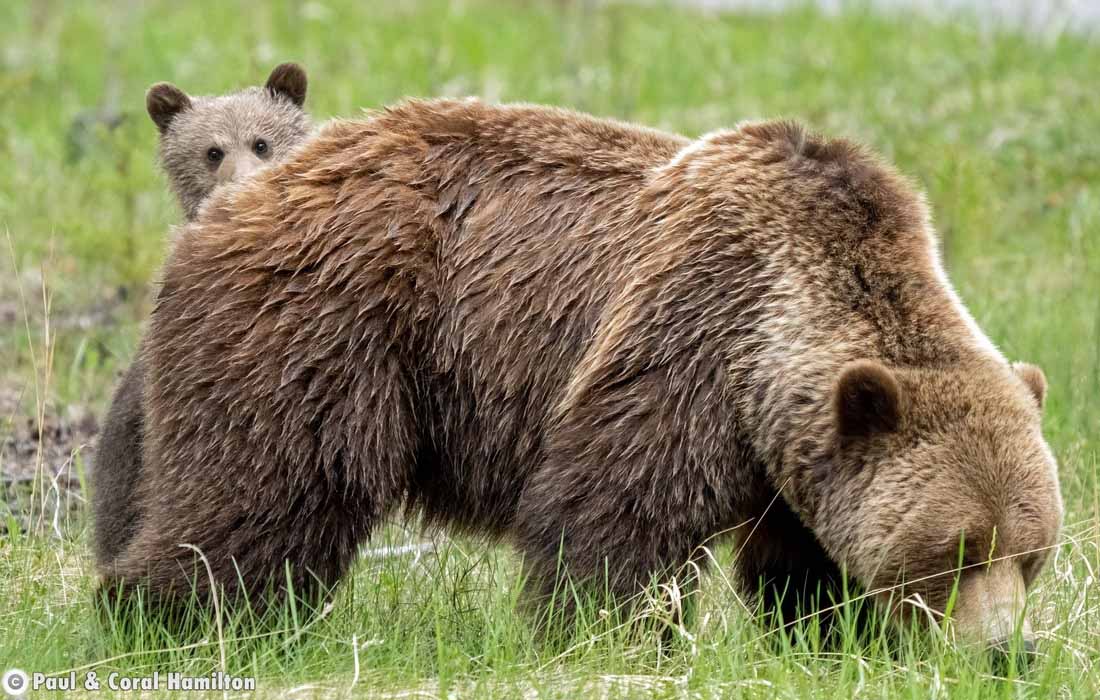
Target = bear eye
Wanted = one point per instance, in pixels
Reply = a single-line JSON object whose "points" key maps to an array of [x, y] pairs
{"points": [[215, 155], [260, 147]]}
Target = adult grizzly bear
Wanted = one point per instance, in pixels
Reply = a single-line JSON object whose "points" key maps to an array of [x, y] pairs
{"points": [[604, 343]]}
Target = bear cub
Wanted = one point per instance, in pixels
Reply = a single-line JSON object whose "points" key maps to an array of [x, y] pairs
{"points": [[205, 142], [209, 141]]}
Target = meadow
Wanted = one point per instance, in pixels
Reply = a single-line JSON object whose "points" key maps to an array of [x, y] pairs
{"points": [[999, 126]]}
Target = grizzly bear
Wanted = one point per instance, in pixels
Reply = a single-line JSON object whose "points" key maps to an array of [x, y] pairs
{"points": [[209, 141], [205, 142], [605, 344]]}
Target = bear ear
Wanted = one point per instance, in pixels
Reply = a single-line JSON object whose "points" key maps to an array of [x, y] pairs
{"points": [[163, 102], [867, 400], [1034, 379], [288, 80]]}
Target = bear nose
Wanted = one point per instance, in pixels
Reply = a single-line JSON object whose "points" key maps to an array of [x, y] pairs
{"points": [[1006, 650], [235, 167]]}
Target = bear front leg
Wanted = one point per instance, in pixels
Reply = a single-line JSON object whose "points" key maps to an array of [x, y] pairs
{"points": [[783, 570], [630, 489], [590, 540]]}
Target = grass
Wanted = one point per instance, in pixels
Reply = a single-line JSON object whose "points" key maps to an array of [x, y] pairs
{"points": [[999, 127]]}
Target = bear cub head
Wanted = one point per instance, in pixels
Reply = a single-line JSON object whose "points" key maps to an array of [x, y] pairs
{"points": [[209, 141]]}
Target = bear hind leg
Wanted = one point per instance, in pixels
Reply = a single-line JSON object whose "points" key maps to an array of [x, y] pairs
{"points": [[271, 510]]}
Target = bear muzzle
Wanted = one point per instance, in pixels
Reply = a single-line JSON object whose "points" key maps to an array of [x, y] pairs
{"points": [[990, 607], [238, 166]]}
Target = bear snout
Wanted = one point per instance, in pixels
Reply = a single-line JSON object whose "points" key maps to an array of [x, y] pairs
{"points": [[237, 166], [990, 608]]}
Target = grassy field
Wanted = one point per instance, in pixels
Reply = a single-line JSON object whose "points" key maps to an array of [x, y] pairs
{"points": [[1000, 129]]}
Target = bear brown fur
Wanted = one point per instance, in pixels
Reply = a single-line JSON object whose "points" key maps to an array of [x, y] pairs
{"points": [[602, 343], [189, 128]]}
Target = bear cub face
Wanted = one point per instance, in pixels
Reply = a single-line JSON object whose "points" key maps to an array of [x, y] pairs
{"points": [[209, 141], [924, 487]]}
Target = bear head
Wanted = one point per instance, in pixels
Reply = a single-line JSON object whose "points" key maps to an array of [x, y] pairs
{"points": [[939, 493], [209, 141]]}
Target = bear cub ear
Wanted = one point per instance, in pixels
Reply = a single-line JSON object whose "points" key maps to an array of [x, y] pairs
{"points": [[867, 400], [1034, 379], [288, 80], [163, 102]]}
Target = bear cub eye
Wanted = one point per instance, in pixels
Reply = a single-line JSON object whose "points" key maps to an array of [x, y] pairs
{"points": [[215, 155], [260, 148]]}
